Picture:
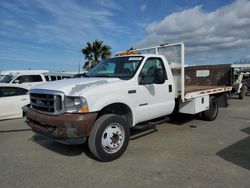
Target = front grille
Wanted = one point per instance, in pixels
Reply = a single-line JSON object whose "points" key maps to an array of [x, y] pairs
{"points": [[50, 103]]}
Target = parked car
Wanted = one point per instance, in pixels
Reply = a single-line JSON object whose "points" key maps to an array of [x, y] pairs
{"points": [[12, 99], [25, 79]]}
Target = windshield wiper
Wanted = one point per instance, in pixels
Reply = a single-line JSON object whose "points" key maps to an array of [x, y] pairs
{"points": [[103, 76]]}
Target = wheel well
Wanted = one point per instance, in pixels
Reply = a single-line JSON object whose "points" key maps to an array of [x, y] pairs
{"points": [[120, 109], [222, 99], [24, 114]]}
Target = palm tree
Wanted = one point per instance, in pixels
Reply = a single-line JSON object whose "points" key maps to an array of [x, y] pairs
{"points": [[96, 51], [87, 51]]}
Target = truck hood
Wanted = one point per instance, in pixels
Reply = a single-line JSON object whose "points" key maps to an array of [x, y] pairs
{"points": [[75, 86]]}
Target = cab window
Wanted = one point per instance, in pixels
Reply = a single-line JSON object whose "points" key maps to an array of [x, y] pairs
{"points": [[36, 78], [12, 91], [47, 78], [28, 78], [53, 78], [148, 70]]}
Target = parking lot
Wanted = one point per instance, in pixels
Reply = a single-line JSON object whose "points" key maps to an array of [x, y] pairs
{"points": [[184, 152]]}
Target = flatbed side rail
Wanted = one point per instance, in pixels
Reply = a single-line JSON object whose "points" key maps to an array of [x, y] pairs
{"points": [[211, 91]]}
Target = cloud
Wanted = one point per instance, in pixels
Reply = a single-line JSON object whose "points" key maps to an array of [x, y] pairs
{"points": [[59, 29], [64, 23], [226, 28], [143, 7], [109, 4]]}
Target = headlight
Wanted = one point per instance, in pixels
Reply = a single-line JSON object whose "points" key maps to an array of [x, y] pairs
{"points": [[75, 104]]}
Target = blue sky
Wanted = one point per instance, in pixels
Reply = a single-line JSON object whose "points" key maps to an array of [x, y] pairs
{"points": [[49, 34]]}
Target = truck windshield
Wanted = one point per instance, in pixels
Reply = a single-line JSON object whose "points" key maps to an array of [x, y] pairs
{"points": [[118, 67], [6, 79]]}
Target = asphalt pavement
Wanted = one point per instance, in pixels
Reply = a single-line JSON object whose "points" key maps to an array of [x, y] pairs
{"points": [[185, 152]]}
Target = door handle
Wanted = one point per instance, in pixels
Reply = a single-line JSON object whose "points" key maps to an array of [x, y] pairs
{"points": [[24, 99], [170, 88]]}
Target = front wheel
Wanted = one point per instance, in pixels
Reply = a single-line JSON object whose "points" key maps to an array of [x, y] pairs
{"points": [[109, 137], [212, 112]]}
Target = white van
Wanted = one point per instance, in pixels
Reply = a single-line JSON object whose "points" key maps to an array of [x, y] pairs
{"points": [[13, 73], [30, 79], [57, 76], [27, 79]]}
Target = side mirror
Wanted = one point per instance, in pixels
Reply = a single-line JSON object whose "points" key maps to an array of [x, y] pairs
{"points": [[145, 80], [16, 81], [159, 76]]}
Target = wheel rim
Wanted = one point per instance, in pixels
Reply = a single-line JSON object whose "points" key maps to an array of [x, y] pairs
{"points": [[113, 138], [213, 109]]}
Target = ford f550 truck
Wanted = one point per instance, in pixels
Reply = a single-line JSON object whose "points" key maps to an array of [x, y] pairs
{"points": [[121, 92]]}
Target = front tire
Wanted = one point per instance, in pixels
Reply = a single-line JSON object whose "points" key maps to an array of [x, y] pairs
{"points": [[109, 137], [212, 112]]}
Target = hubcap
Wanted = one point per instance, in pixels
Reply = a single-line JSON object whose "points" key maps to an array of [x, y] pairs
{"points": [[113, 138]]}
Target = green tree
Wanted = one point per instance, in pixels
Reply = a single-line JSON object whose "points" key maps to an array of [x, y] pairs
{"points": [[96, 51]]}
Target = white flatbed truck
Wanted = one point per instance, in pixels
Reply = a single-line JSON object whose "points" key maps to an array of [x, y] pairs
{"points": [[124, 91]]}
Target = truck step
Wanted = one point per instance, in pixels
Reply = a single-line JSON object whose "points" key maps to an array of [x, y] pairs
{"points": [[160, 120], [151, 124]]}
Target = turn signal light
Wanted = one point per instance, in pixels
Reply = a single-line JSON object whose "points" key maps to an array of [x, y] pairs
{"points": [[84, 109]]}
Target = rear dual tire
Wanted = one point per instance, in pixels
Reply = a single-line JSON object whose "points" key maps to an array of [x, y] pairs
{"points": [[212, 112]]}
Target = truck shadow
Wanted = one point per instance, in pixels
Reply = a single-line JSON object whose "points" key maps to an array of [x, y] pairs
{"points": [[239, 152], [67, 150], [136, 133], [236, 97], [181, 119], [151, 127]]}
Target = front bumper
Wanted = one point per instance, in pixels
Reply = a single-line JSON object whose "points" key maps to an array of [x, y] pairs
{"points": [[65, 128]]}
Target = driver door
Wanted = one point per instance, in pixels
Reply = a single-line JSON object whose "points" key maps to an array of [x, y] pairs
{"points": [[155, 100]]}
